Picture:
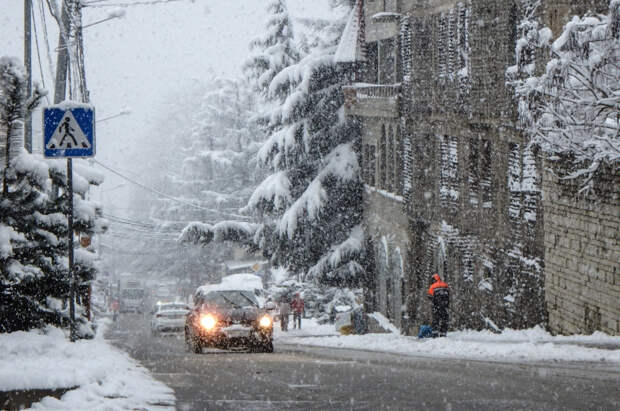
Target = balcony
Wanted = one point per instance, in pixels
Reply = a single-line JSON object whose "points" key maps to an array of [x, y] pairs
{"points": [[372, 100]]}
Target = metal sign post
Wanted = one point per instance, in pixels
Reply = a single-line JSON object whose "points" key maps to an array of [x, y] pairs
{"points": [[69, 132]]}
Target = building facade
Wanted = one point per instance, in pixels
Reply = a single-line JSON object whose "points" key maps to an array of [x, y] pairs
{"points": [[451, 186]]}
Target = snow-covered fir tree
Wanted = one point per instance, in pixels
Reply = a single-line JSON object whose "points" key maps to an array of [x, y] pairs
{"points": [[34, 277], [210, 176], [272, 51], [309, 207]]}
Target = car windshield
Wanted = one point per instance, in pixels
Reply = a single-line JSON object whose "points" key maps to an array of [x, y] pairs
{"points": [[230, 299]]}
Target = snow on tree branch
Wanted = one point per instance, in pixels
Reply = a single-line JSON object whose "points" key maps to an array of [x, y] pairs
{"points": [[342, 164], [203, 234], [573, 108], [346, 253], [274, 193]]}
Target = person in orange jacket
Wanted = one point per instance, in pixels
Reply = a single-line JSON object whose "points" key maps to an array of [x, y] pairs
{"points": [[439, 294]]}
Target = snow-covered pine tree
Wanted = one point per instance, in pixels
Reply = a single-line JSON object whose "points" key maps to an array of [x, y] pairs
{"points": [[34, 278], [214, 175], [271, 52], [28, 249], [309, 207]]}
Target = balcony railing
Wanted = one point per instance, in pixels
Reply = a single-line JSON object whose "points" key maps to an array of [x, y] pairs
{"points": [[372, 100]]}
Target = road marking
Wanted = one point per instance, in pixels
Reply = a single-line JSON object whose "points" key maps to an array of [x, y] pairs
{"points": [[302, 385]]}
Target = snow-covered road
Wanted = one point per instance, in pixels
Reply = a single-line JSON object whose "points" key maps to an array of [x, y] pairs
{"points": [[301, 376]]}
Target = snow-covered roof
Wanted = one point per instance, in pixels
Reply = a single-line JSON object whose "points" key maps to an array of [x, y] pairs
{"points": [[351, 48]]}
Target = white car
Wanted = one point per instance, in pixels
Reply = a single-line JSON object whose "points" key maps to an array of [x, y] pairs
{"points": [[169, 317]]}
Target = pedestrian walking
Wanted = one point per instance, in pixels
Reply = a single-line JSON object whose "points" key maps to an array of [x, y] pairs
{"points": [[439, 294], [298, 309], [285, 310], [115, 309]]}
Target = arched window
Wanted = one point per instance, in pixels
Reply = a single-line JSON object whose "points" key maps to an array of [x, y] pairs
{"points": [[389, 160], [372, 161], [382, 156]]}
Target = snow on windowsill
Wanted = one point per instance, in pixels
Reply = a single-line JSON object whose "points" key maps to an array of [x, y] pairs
{"points": [[385, 15], [384, 193]]}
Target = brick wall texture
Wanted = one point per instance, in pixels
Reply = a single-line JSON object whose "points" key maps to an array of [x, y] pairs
{"points": [[582, 254]]}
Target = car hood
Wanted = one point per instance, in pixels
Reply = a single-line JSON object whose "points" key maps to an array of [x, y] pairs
{"points": [[236, 315]]}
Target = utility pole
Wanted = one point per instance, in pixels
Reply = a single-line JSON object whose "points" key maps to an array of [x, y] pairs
{"points": [[28, 64], [60, 89]]}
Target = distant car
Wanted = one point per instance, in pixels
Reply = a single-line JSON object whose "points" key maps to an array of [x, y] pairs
{"points": [[225, 318], [169, 317], [132, 300]]}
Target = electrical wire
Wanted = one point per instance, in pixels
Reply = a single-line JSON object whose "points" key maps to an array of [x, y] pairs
{"points": [[159, 193], [36, 40], [46, 37], [136, 3]]}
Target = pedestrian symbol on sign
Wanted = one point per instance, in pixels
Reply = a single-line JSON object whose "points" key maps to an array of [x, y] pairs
{"points": [[68, 134]]}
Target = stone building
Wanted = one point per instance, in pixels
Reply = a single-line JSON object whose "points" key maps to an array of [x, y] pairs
{"points": [[450, 184], [582, 254]]}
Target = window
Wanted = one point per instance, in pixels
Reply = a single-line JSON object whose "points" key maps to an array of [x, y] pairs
{"points": [[473, 178], [372, 160], [452, 54], [389, 160], [369, 164], [387, 61], [382, 151], [398, 162], [372, 66], [449, 173], [486, 169]]}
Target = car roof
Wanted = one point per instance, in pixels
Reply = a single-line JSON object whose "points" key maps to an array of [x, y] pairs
{"points": [[234, 282]]}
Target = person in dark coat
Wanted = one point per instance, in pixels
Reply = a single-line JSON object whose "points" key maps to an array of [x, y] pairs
{"points": [[439, 294], [285, 310]]}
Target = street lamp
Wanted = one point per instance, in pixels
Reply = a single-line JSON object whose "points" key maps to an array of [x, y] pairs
{"points": [[123, 112]]}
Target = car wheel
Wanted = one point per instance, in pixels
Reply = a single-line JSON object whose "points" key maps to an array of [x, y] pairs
{"points": [[268, 346], [192, 343]]}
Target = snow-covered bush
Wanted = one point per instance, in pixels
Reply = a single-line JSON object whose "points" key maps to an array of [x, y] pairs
{"points": [[572, 109]]}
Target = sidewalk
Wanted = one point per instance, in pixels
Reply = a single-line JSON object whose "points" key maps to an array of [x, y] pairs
{"points": [[46, 371], [532, 345]]}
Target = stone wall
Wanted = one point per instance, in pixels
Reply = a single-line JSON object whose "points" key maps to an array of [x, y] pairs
{"points": [[582, 254]]}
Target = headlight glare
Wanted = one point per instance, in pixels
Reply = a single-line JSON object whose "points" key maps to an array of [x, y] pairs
{"points": [[265, 321], [207, 321]]}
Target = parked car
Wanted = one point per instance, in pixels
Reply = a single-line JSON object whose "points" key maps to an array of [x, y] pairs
{"points": [[225, 318], [169, 317]]}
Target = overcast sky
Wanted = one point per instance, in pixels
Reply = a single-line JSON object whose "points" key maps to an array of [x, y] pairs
{"points": [[136, 61]]}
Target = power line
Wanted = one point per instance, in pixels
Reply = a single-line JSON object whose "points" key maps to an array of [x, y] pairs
{"points": [[168, 196], [36, 40], [93, 3]]}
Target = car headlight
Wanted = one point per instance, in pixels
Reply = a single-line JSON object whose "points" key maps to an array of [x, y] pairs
{"points": [[207, 321], [265, 321]]}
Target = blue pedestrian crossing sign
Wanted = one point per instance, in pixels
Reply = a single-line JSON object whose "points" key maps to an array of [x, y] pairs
{"points": [[69, 130]]}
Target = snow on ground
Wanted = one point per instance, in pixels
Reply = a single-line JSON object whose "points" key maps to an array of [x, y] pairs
{"points": [[532, 345], [107, 377]]}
